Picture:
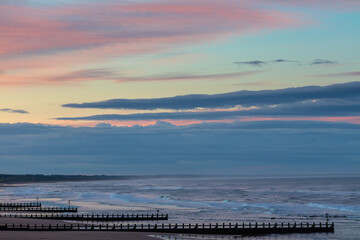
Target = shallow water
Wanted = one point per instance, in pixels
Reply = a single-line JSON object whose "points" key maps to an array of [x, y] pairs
{"points": [[214, 199]]}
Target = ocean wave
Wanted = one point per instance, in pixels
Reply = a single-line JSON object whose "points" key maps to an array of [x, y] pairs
{"points": [[337, 207], [161, 188], [133, 198], [335, 193], [225, 205]]}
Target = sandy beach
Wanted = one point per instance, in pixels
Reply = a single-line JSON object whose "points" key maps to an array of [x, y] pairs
{"points": [[61, 235]]}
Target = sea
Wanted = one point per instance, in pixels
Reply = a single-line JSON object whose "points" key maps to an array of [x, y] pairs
{"points": [[213, 199]]}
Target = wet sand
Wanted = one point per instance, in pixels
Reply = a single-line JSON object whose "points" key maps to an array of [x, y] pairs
{"points": [[64, 235]]}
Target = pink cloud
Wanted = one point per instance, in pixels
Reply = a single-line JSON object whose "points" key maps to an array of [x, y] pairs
{"points": [[36, 30], [66, 36], [338, 5], [354, 119]]}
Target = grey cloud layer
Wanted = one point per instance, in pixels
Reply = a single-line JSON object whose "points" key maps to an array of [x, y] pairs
{"points": [[104, 74], [236, 148], [308, 109], [256, 63], [225, 100], [322, 61], [259, 63], [10, 110]]}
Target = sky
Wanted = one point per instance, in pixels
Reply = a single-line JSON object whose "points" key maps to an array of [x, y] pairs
{"points": [[160, 86]]}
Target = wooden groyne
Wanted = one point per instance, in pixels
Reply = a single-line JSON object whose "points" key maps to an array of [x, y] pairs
{"points": [[15, 205], [38, 209], [222, 229], [92, 217]]}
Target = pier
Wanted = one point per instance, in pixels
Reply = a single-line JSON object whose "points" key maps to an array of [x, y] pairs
{"points": [[218, 229], [92, 217]]}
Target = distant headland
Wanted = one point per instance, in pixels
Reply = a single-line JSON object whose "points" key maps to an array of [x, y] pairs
{"points": [[30, 178]]}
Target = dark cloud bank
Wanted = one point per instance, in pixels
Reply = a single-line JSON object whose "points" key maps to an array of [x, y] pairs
{"points": [[271, 147], [334, 100], [244, 98]]}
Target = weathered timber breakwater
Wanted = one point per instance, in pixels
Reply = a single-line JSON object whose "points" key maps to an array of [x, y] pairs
{"points": [[217, 229], [38, 209], [92, 217], [208, 228], [17, 205]]}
